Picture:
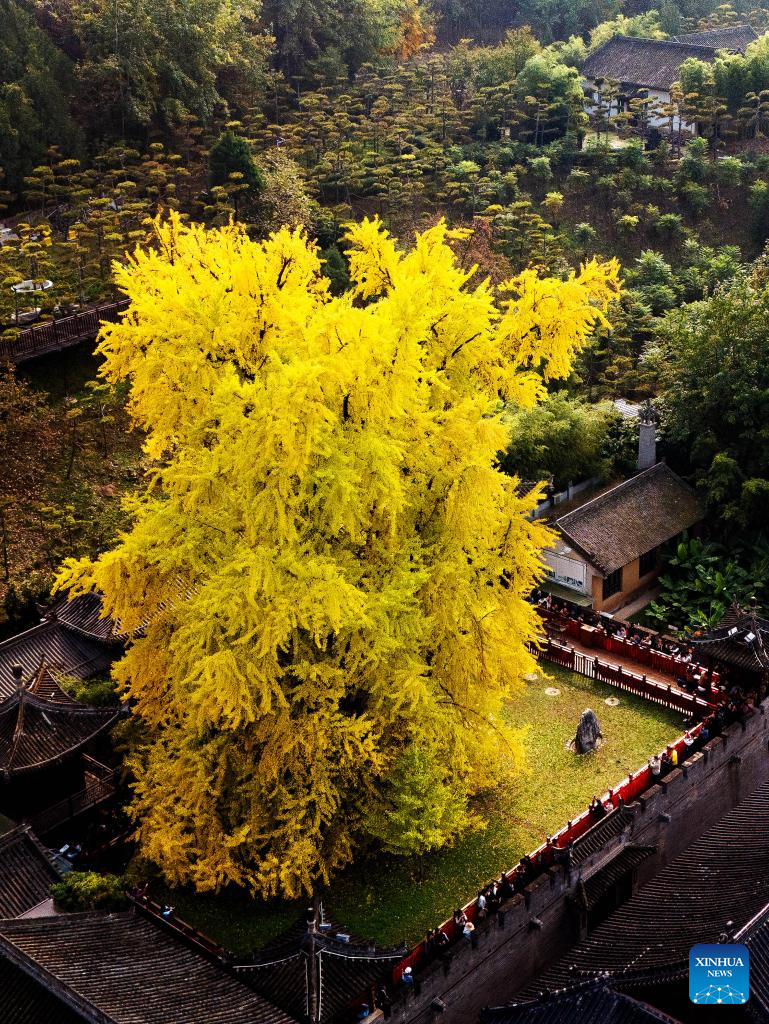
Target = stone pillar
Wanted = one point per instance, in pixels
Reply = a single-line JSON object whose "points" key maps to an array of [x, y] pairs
{"points": [[647, 445]]}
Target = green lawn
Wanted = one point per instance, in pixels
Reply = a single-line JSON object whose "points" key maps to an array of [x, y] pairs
{"points": [[385, 899]]}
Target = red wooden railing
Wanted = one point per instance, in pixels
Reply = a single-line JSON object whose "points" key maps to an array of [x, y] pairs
{"points": [[544, 856], [59, 334], [615, 675], [642, 654]]}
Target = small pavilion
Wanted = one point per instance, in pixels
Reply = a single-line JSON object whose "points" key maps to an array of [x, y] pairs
{"points": [[45, 739], [738, 647], [319, 972]]}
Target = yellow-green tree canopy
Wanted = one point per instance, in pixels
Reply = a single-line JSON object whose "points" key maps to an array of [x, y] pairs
{"points": [[330, 567]]}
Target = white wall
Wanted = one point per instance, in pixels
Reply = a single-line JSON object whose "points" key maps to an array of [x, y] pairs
{"points": [[568, 569], [655, 121]]}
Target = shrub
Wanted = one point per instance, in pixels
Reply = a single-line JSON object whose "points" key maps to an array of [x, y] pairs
{"points": [[540, 170], [759, 210], [97, 693], [88, 890], [627, 224], [695, 196], [669, 225]]}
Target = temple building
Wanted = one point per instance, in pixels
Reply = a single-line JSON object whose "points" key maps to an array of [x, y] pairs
{"points": [[608, 549], [27, 872], [738, 647], [72, 639], [48, 771], [118, 968], [319, 972], [636, 66]]}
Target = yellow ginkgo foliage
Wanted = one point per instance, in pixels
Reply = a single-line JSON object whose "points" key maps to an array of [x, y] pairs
{"points": [[330, 567]]}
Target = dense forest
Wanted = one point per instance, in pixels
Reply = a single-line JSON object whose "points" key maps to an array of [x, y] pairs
{"points": [[316, 114]]}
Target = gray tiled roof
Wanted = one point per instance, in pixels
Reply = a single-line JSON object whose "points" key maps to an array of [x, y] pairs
{"points": [[720, 878], [756, 937], [23, 1001], [36, 731], [83, 615], [732, 37], [647, 63], [51, 643], [345, 970], [727, 642], [122, 969], [26, 872], [592, 1003], [632, 518]]}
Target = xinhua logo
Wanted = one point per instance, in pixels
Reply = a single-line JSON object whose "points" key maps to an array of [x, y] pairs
{"points": [[719, 974]]}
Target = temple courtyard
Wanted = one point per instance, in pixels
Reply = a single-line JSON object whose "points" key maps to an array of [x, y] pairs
{"points": [[392, 900]]}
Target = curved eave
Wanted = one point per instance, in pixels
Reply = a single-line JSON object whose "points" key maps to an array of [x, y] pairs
{"points": [[11, 772]]}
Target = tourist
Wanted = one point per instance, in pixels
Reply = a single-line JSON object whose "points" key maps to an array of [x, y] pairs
{"points": [[468, 930], [460, 918], [430, 945], [492, 895], [656, 766], [688, 740], [597, 809], [407, 978], [481, 903], [442, 942], [383, 1002]]}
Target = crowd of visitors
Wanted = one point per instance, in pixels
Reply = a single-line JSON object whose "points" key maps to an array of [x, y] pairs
{"points": [[611, 627], [678, 659], [466, 923]]}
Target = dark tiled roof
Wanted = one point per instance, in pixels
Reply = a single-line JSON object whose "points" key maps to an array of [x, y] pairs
{"points": [[632, 518], [53, 644], [590, 1003], [344, 971], [35, 731], [721, 877], [344, 977], [23, 1001], [755, 935], [727, 642], [648, 63], [733, 37], [26, 873], [121, 968], [83, 615], [596, 838], [284, 981], [599, 883]]}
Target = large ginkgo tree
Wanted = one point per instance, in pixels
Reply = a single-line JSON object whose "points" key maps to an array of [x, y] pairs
{"points": [[327, 567]]}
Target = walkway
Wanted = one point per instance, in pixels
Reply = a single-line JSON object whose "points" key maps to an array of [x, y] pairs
{"points": [[59, 334], [613, 659]]}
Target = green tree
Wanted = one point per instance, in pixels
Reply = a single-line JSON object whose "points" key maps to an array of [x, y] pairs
{"points": [[563, 438], [421, 807], [712, 361], [232, 154]]}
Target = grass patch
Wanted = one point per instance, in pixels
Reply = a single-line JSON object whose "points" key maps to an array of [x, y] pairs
{"points": [[390, 900]]}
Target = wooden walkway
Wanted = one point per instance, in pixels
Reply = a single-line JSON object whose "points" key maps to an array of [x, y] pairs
{"points": [[58, 335], [651, 688]]}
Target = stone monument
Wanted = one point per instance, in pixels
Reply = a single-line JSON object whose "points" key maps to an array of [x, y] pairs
{"points": [[589, 735]]}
